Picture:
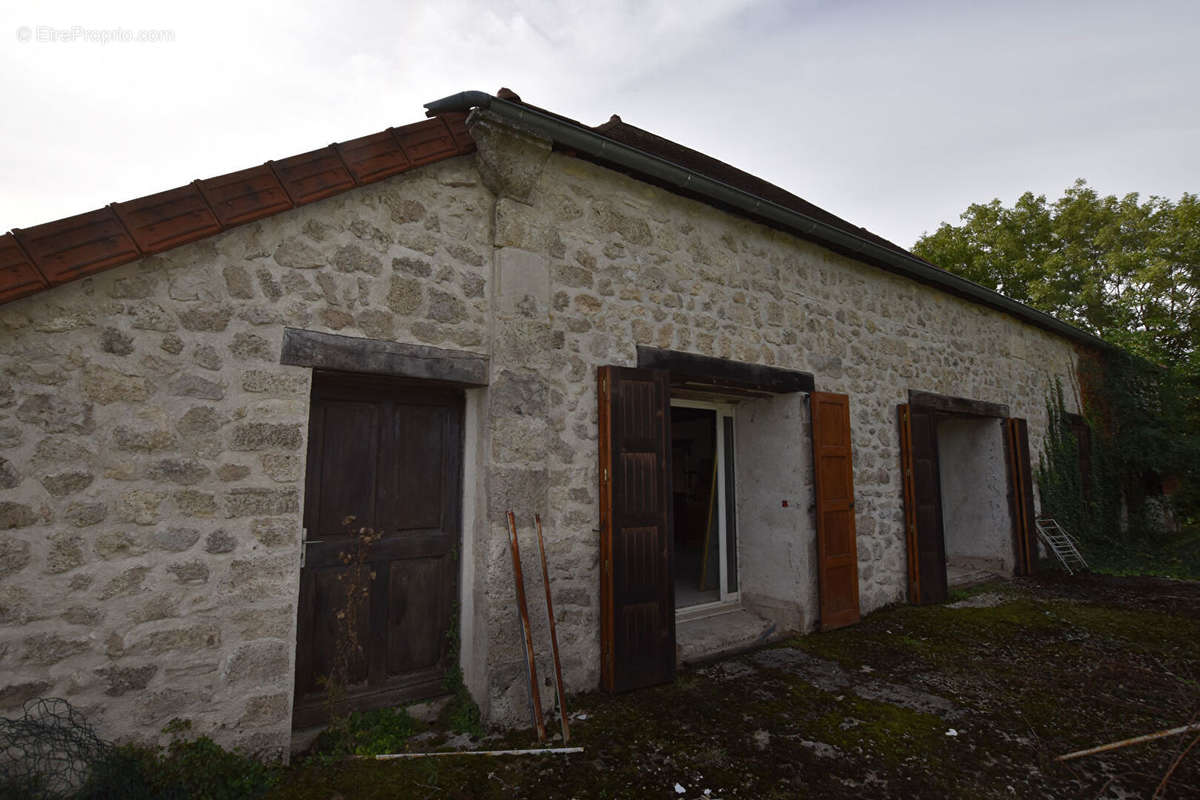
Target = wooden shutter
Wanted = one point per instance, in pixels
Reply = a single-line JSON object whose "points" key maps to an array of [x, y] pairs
{"points": [[637, 597], [837, 550], [1020, 493], [922, 505]]}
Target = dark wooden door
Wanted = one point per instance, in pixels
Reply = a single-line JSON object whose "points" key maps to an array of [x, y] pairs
{"points": [[837, 548], [390, 456], [637, 594], [1020, 494], [923, 505]]}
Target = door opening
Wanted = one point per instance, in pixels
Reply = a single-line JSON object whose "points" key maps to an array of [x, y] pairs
{"points": [[967, 505], [389, 455], [974, 490], [703, 504]]}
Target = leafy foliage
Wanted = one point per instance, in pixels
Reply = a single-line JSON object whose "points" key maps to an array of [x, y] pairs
{"points": [[366, 733], [189, 769], [1103, 501], [1126, 270]]}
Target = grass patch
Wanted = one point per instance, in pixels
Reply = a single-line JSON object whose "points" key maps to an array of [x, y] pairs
{"points": [[891, 732], [1135, 629], [366, 733]]}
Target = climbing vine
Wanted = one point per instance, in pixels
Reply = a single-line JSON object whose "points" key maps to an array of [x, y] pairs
{"points": [[1136, 491]]}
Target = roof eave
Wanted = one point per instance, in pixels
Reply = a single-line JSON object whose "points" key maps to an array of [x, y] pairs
{"points": [[587, 141]]}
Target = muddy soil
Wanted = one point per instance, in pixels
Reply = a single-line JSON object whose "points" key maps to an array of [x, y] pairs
{"points": [[973, 699]]}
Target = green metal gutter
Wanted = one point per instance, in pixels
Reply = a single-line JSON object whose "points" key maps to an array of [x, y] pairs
{"points": [[585, 140]]}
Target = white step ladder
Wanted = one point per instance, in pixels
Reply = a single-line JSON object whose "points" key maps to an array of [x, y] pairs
{"points": [[1064, 546]]}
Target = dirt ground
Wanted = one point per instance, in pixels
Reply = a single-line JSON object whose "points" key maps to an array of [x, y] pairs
{"points": [[973, 699]]}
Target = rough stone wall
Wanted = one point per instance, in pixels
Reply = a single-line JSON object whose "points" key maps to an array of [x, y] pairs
{"points": [[629, 264], [152, 449]]}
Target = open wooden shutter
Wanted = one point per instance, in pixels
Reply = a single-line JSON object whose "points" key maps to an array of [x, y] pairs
{"points": [[922, 505], [637, 594], [1020, 493], [837, 550]]}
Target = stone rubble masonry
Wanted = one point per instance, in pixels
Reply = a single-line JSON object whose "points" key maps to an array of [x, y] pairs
{"points": [[153, 446], [621, 264], [152, 450]]}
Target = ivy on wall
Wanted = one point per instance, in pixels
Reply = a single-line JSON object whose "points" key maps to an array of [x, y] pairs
{"points": [[1136, 484]]}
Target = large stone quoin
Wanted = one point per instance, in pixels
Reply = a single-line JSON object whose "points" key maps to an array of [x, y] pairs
{"points": [[155, 416]]}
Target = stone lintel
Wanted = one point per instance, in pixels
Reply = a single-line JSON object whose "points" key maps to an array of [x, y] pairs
{"points": [[303, 348], [693, 369], [946, 404]]}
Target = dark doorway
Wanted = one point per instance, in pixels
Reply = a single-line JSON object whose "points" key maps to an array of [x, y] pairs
{"points": [[388, 454], [694, 499]]}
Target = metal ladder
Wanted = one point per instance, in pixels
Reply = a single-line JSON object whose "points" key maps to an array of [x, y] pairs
{"points": [[1064, 546]]}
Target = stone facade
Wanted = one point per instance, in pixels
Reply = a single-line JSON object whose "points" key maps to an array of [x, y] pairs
{"points": [[152, 447]]}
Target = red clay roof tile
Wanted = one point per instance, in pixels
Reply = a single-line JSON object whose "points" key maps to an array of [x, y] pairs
{"points": [[66, 249], [245, 195], [313, 176], [168, 219], [457, 125], [71, 248], [18, 275], [374, 157], [428, 141]]}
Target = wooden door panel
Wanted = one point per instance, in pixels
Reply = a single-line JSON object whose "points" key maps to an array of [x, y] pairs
{"points": [[416, 627], [638, 481], [833, 472], [329, 591], [390, 455], [923, 505], [348, 450], [637, 563], [637, 598], [1020, 494], [839, 541], [415, 492]]}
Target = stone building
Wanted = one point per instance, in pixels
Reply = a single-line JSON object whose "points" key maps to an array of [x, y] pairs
{"points": [[497, 308]]}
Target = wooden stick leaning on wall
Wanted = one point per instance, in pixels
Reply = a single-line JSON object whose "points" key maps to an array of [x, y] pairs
{"points": [[558, 679], [535, 699]]}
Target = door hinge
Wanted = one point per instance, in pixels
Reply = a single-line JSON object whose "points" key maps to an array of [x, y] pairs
{"points": [[304, 543]]}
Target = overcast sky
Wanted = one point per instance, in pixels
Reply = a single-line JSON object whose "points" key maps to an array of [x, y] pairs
{"points": [[893, 114]]}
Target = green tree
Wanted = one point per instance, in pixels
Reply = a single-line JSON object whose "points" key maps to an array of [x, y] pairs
{"points": [[1125, 269]]}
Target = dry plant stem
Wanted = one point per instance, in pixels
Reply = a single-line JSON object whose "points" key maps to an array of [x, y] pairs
{"points": [[535, 698], [1126, 742], [1162, 785], [1174, 765], [357, 581], [558, 678]]}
